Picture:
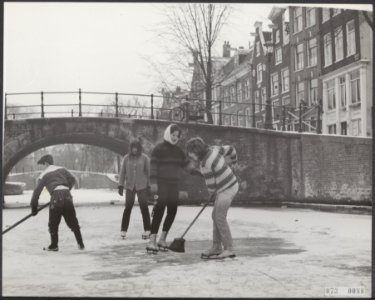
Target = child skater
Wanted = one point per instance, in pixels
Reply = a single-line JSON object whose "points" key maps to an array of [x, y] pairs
{"points": [[135, 176], [58, 181], [167, 162], [215, 162]]}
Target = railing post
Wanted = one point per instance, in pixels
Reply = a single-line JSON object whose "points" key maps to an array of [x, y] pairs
{"points": [[284, 108], [116, 105], [300, 117], [42, 104], [79, 103], [14, 116], [318, 127], [72, 112], [220, 113], [152, 106], [187, 109], [5, 107]]}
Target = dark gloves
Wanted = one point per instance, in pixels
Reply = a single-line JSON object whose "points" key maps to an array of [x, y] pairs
{"points": [[34, 210], [120, 190]]}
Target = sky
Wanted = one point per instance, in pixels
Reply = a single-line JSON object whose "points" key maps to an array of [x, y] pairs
{"points": [[104, 47]]}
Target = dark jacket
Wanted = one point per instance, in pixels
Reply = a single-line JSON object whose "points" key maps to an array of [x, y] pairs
{"points": [[51, 178], [167, 161]]}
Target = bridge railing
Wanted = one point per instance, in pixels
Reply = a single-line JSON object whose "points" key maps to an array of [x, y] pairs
{"points": [[174, 108]]}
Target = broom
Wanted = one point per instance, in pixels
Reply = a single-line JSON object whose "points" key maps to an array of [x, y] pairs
{"points": [[178, 244]]}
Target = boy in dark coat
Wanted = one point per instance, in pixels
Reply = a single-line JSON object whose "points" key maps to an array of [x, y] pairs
{"points": [[58, 181]]}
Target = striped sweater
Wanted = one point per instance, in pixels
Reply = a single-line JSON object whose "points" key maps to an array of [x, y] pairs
{"points": [[215, 167]]}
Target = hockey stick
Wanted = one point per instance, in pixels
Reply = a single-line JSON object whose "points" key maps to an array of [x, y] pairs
{"points": [[24, 219], [178, 245]]}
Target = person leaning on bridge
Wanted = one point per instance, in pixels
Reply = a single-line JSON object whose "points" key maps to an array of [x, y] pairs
{"points": [[135, 177], [58, 181], [215, 165]]}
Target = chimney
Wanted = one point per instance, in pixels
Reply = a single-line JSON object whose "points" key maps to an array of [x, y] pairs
{"points": [[226, 49], [258, 26]]}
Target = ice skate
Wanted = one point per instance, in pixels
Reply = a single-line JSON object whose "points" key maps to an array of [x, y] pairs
{"points": [[162, 243], [211, 253], [51, 248], [146, 235], [226, 254], [123, 234], [151, 247]]}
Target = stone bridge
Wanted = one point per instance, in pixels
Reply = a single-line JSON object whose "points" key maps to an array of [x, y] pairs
{"points": [[273, 166]]}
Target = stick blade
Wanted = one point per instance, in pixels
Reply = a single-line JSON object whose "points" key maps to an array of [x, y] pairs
{"points": [[178, 245]]}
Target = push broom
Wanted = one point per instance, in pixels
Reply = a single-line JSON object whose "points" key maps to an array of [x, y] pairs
{"points": [[24, 219], [178, 244]]}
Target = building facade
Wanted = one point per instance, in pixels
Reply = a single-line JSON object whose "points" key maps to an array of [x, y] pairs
{"points": [[346, 42]]}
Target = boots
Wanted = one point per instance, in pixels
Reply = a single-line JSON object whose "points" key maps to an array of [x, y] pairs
{"points": [[213, 251], [77, 234], [151, 246], [162, 244], [54, 242], [146, 235]]}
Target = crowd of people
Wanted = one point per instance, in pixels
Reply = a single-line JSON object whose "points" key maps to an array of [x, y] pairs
{"points": [[157, 177]]}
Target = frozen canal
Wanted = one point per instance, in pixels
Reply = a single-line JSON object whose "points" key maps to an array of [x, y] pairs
{"points": [[280, 253]]}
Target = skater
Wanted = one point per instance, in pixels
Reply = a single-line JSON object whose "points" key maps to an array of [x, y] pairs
{"points": [[58, 181], [215, 162], [167, 162], [135, 176]]}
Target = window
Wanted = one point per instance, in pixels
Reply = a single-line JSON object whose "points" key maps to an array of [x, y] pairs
{"points": [[257, 102], [226, 120], [248, 114], [342, 91], [344, 128], [299, 93], [259, 73], [331, 96], [285, 80], [274, 84], [310, 16], [257, 48], [299, 57], [313, 91], [335, 11], [312, 52], [232, 94], [355, 87], [247, 89], [226, 97], [327, 49], [239, 92], [278, 56], [277, 36], [264, 98], [233, 120], [297, 19], [332, 129], [325, 15], [285, 101], [350, 38], [339, 44], [356, 127], [285, 27], [241, 119]]}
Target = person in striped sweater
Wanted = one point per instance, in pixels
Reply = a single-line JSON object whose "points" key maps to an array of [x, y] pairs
{"points": [[215, 165]]}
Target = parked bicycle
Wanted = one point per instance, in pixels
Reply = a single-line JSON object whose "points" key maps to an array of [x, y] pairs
{"points": [[189, 110]]}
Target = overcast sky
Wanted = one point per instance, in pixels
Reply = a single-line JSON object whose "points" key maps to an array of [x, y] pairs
{"points": [[96, 46]]}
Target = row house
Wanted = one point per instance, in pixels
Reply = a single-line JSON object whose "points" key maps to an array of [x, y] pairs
{"points": [[280, 69], [235, 90], [346, 42], [305, 65], [260, 62]]}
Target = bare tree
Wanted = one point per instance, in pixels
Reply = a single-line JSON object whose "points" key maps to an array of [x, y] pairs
{"points": [[196, 27]]}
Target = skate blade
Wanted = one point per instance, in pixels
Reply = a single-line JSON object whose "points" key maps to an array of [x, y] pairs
{"points": [[151, 251], [163, 249], [51, 250]]}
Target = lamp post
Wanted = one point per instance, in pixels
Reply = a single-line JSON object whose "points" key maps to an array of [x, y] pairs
{"points": [[269, 51]]}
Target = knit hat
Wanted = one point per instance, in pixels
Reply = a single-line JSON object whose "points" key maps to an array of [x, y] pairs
{"points": [[46, 159]]}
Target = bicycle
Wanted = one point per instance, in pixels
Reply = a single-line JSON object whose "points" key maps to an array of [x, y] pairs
{"points": [[188, 111]]}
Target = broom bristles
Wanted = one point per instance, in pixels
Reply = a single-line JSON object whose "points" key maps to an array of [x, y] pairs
{"points": [[178, 245]]}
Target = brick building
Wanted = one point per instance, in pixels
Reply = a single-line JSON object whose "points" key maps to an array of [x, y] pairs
{"points": [[346, 43], [306, 87]]}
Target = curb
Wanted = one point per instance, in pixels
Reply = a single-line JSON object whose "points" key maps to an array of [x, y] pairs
{"points": [[354, 209]]}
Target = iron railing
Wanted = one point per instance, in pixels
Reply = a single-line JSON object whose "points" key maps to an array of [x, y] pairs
{"points": [[183, 109]]}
